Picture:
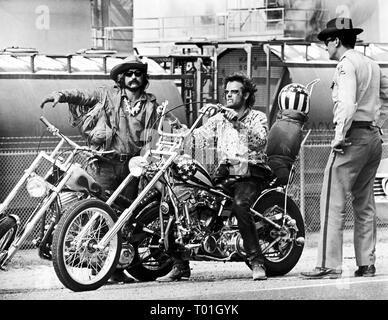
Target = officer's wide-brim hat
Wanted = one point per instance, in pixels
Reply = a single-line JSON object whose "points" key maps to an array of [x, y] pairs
{"points": [[131, 62], [338, 26]]}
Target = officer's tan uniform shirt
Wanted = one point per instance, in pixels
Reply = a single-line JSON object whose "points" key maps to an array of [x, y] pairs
{"points": [[360, 92]]}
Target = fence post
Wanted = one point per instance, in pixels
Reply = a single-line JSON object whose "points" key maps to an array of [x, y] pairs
{"points": [[302, 183], [302, 169], [268, 81]]}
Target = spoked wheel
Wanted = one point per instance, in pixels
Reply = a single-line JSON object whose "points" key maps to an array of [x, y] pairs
{"points": [[150, 261], [284, 247], [8, 229], [79, 265]]}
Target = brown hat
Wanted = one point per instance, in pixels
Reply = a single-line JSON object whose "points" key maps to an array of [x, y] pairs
{"points": [[338, 26], [131, 62]]}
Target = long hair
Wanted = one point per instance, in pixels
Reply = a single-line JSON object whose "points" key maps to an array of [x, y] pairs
{"points": [[121, 81], [248, 86]]}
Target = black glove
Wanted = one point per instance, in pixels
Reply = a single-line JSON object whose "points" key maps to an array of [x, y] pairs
{"points": [[53, 97], [230, 114]]}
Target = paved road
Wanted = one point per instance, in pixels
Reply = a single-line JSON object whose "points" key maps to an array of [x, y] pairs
{"points": [[29, 278], [240, 287]]}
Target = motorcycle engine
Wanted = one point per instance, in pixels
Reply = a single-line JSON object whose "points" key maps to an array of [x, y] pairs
{"points": [[202, 207], [230, 242], [199, 208]]}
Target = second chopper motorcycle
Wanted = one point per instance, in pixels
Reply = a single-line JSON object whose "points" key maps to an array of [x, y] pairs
{"points": [[57, 180]]}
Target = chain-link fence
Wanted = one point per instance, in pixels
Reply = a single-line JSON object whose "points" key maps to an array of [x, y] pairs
{"points": [[16, 155], [310, 170], [305, 188]]}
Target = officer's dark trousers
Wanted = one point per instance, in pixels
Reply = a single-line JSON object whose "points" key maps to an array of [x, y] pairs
{"points": [[352, 172]]}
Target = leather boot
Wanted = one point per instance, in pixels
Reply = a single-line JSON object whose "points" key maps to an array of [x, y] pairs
{"points": [[365, 271], [178, 272], [258, 270], [322, 273], [118, 276]]}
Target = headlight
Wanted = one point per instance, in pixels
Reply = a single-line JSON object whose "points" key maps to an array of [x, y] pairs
{"points": [[136, 165], [384, 184], [36, 187]]}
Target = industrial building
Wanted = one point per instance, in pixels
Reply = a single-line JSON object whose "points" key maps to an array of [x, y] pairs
{"points": [[50, 45]]}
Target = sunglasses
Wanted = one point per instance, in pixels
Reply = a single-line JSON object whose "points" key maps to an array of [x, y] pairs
{"points": [[326, 41], [234, 92], [137, 73]]}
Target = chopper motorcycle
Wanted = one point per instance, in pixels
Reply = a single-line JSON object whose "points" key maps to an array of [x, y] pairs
{"points": [[57, 181], [181, 206]]}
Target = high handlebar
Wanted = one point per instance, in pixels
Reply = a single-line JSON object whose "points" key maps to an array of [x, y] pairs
{"points": [[223, 109], [218, 107], [55, 131], [47, 123]]}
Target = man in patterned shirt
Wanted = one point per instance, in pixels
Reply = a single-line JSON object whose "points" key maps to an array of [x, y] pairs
{"points": [[242, 137]]}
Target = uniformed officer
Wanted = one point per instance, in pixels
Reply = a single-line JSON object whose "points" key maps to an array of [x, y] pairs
{"points": [[357, 88]]}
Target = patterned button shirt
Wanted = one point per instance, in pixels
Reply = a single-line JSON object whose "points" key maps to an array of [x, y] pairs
{"points": [[242, 143]]}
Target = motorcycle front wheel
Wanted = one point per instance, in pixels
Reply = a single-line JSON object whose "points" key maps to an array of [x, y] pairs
{"points": [[284, 251], [8, 229], [79, 265], [150, 261]]}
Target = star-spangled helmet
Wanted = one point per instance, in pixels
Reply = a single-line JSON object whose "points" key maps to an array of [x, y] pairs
{"points": [[296, 96]]}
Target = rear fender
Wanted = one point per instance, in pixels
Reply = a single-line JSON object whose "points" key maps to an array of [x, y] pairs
{"points": [[269, 193]]}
